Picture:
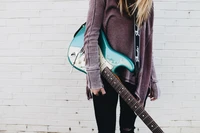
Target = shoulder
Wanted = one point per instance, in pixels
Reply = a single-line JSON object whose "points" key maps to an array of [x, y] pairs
{"points": [[151, 16], [150, 21], [100, 1]]}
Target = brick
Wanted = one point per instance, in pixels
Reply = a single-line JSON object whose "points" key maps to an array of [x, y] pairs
{"points": [[30, 44], [54, 45], [37, 128], [12, 102], [175, 62], [11, 75], [188, 6], [19, 14], [30, 60], [6, 95], [3, 22], [7, 30], [33, 95], [54, 29], [18, 22], [41, 21], [41, 68], [188, 22], [53, 60], [33, 89], [194, 14], [29, 29], [36, 53], [59, 129], [13, 127], [44, 37], [166, 5]]}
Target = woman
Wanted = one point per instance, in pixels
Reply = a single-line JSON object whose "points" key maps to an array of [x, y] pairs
{"points": [[117, 18]]}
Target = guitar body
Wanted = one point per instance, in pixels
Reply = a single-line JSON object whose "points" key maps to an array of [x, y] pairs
{"points": [[111, 58]]}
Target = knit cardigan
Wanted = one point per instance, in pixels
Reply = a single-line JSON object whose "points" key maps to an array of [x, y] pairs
{"points": [[105, 15]]}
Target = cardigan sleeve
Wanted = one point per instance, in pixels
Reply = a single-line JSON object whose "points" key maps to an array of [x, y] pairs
{"points": [[93, 25], [153, 81], [154, 88], [153, 72]]}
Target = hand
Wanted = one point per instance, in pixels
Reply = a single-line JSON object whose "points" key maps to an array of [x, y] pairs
{"points": [[154, 92], [98, 91], [151, 95]]}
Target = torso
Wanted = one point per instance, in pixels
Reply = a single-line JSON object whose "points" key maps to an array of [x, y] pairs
{"points": [[120, 33]]}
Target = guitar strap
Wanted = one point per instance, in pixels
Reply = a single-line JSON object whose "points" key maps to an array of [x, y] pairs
{"points": [[136, 46]]}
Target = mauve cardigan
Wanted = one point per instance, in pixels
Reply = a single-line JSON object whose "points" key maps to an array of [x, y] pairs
{"points": [[105, 14]]}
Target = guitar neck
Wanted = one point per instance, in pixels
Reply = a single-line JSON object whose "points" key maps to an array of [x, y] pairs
{"points": [[130, 100]]}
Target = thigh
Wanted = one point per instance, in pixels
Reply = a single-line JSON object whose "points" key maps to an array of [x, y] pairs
{"points": [[127, 115], [105, 109]]}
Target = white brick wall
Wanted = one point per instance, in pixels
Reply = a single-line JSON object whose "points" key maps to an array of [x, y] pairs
{"points": [[39, 95]]}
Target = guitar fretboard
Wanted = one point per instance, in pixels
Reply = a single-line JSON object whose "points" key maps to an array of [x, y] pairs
{"points": [[130, 100]]}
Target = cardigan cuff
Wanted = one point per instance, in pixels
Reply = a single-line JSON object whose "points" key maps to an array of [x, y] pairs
{"points": [[94, 80]]}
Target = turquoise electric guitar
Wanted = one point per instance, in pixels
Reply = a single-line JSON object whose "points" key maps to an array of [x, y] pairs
{"points": [[110, 61], [108, 57]]}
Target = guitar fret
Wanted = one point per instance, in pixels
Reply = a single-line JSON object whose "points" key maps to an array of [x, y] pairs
{"points": [[139, 110], [132, 102], [147, 120], [109, 76], [121, 90], [150, 123], [129, 100], [153, 125], [134, 106], [125, 93], [122, 95], [158, 130], [143, 115], [115, 85]]}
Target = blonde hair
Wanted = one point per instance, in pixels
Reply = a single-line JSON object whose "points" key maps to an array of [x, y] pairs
{"points": [[143, 8]]}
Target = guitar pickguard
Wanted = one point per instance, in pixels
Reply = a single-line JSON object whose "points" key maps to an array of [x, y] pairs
{"points": [[77, 58]]}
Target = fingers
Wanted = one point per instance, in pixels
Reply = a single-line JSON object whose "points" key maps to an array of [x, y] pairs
{"points": [[151, 95], [95, 91], [152, 98], [98, 91], [103, 92]]}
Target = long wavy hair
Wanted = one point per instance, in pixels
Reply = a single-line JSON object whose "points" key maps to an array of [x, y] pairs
{"points": [[143, 8]]}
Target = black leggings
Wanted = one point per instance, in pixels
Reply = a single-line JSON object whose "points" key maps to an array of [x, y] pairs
{"points": [[105, 111]]}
